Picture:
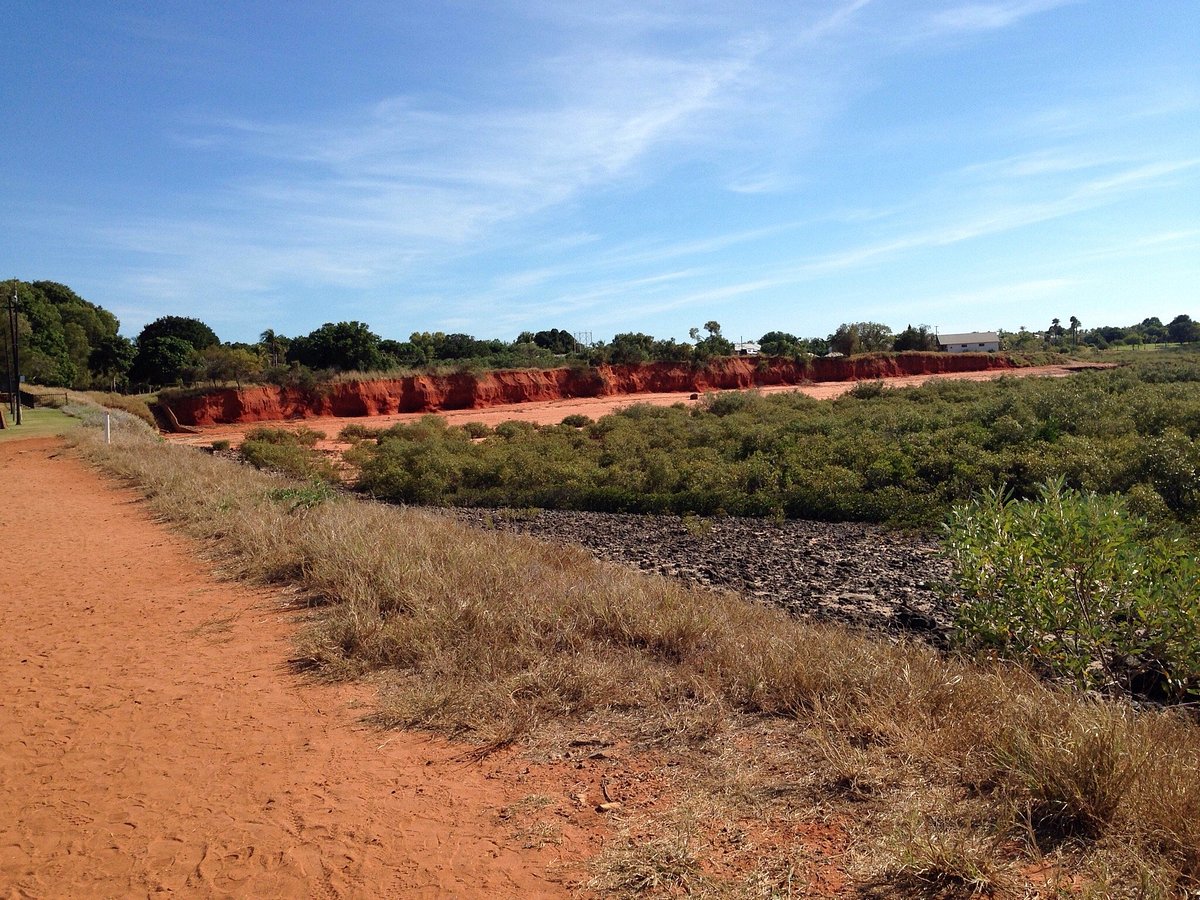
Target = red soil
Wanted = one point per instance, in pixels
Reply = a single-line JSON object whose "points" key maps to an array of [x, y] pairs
{"points": [[153, 741], [436, 393]]}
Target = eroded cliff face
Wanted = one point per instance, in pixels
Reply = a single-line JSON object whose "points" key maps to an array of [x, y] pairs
{"points": [[465, 390]]}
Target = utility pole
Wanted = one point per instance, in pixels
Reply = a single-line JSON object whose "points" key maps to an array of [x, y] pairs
{"points": [[15, 372]]}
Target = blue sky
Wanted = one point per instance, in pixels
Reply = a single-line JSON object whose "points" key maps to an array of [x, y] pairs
{"points": [[491, 167]]}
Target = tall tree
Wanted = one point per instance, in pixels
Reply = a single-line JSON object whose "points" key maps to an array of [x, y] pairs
{"points": [[58, 332], [162, 361], [861, 337], [779, 343], [714, 345], [274, 345], [112, 358], [1182, 330], [1055, 332], [557, 341], [192, 331], [919, 338], [344, 346]]}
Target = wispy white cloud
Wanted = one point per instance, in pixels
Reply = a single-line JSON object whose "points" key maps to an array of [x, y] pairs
{"points": [[992, 16], [1075, 199], [1054, 161]]}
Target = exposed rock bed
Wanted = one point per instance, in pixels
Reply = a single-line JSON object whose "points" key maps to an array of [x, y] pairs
{"points": [[860, 575]]}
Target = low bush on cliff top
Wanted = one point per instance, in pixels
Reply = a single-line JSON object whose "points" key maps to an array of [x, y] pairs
{"points": [[497, 636], [902, 456]]}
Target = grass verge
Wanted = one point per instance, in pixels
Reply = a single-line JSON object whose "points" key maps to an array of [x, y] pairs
{"points": [[941, 777], [41, 422]]}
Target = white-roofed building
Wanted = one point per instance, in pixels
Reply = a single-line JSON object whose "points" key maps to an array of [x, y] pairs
{"points": [[971, 342]]}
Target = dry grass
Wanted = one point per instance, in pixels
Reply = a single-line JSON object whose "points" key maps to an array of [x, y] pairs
{"points": [[638, 863], [492, 636], [135, 406]]}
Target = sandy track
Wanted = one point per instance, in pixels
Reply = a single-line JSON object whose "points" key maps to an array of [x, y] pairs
{"points": [[152, 740], [552, 412]]}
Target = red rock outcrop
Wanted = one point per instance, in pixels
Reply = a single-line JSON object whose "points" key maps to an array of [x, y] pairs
{"points": [[469, 390]]}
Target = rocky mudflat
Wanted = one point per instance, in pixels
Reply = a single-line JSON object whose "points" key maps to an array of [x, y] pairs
{"points": [[861, 575]]}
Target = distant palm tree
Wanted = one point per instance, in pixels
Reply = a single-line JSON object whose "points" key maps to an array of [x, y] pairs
{"points": [[1075, 323], [274, 344]]}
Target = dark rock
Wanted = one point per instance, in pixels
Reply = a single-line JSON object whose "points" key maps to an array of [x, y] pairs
{"points": [[862, 575]]}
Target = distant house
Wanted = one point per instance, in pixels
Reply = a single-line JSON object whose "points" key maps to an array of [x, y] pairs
{"points": [[746, 348], [971, 342]]}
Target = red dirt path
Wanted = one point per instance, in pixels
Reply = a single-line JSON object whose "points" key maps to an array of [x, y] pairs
{"points": [[152, 739]]}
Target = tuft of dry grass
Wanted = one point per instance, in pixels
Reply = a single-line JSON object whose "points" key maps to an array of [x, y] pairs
{"points": [[494, 636], [663, 860], [943, 865]]}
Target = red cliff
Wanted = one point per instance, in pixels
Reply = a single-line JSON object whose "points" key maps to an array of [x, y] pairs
{"points": [[468, 390]]}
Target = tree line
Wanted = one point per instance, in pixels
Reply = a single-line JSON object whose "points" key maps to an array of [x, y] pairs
{"points": [[67, 341]]}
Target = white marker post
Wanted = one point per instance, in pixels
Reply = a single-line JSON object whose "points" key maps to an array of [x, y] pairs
{"points": [[108, 428]]}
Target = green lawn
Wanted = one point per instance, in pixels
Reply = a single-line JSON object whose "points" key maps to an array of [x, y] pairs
{"points": [[43, 422]]}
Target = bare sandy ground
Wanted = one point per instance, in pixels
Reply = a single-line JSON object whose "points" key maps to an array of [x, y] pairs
{"points": [[152, 740], [553, 412]]}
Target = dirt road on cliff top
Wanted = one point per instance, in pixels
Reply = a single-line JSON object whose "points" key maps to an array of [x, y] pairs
{"points": [[554, 411], [152, 739]]}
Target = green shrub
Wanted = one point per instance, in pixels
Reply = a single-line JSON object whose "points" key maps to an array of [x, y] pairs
{"points": [[476, 429], [724, 403], [300, 437], [352, 434], [901, 456], [287, 451], [306, 497], [513, 429], [1076, 584], [220, 445], [865, 390], [577, 420]]}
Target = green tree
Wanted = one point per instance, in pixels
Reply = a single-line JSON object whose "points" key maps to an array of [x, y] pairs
{"points": [[919, 338], [630, 348], [557, 341], [344, 346], [861, 337], [274, 346], [1055, 332], [192, 331], [713, 345], [779, 343], [59, 330], [1183, 330], [111, 359], [1152, 330], [846, 340], [162, 361], [225, 363]]}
